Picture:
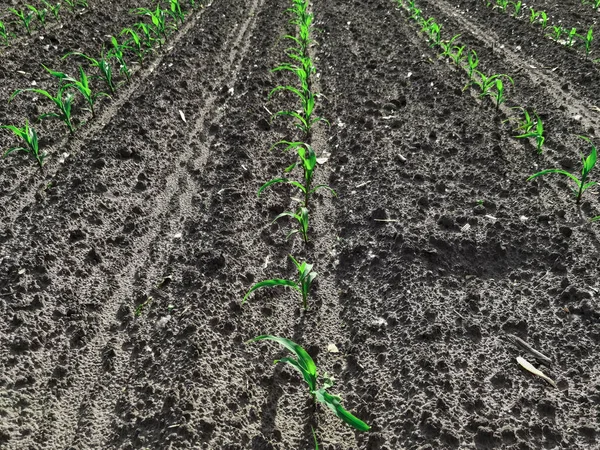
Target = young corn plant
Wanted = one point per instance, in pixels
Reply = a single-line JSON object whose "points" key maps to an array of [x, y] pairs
{"points": [[83, 86], [39, 13], [448, 46], [72, 4], [502, 5], [517, 6], [149, 36], [537, 132], [63, 101], [30, 141], [304, 119], [103, 65], [498, 95], [305, 279], [308, 160], [457, 56], [134, 44], [117, 53], [555, 32], [175, 11], [524, 126], [486, 84], [159, 21], [587, 41], [302, 218], [25, 17], [308, 369], [54, 9], [582, 184], [473, 62], [538, 16], [571, 37], [4, 35]]}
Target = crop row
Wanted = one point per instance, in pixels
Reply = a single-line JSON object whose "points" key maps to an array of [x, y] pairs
{"points": [[136, 42], [493, 86], [34, 16], [304, 118], [567, 36]]}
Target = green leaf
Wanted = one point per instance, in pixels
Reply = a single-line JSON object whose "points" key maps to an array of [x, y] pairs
{"points": [[271, 283], [559, 171], [333, 402], [304, 364], [280, 180]]}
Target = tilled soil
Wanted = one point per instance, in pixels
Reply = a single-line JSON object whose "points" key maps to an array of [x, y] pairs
{"points": [[434, 251]]}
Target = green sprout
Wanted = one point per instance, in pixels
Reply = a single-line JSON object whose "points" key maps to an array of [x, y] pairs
{"points": [[457, 56], [448, 46], [571, 37], [488, 83], [30, 138], [63, 101], [158, 18], [517, 6], [473, 62], [76, 3], [588, 165], [39, 13], [537, 133], [308, 160], [502, 5], [499, 94], [306, 366], [25, 17], [315, 438], [83, 86], [54, 9], [587, 40], [103, 65], [524, 126], [435, 32], [135, 45], [4, 36], [305, 279], [302, 217], [148, 33], [175, 11], [539, 16], [556, 32], [305, 121], [117, 53]]}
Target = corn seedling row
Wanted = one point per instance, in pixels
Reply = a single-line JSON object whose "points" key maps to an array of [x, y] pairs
{"points": [[571, 36], [30, 141]]}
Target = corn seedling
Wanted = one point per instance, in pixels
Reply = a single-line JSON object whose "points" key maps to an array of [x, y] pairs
{"points": [[306, 366], [587, 41], [457, 56], [25, 17], [175, 11], [54, 9], [498, 96], [302, 218], [103, 65], [486, 84], [76, 3], [473, 62], [39, 13], [305, 120], [308, 160], [556, 32], [30, 139], [538, 16], [63, 102], [305, 279], [537, 133], [517, 6], [524, 126], [83, 86], [158, 18], [134, 44], [502, 5], [571, 37], [582, 184], [448, 46], [4, 36], [117, 53], [435, 33], [148, 33]]}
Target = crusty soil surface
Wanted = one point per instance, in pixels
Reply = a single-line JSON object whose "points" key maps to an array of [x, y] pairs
{"points": [[435, 250]]}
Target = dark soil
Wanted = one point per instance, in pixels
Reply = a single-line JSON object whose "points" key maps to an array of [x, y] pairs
{"points": [[435, 250]]}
